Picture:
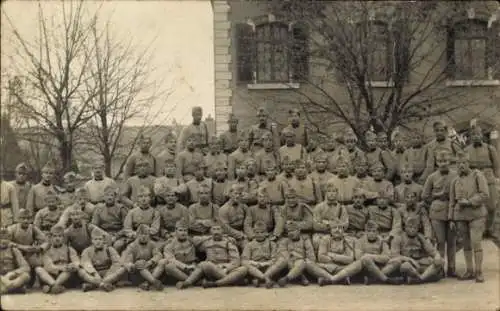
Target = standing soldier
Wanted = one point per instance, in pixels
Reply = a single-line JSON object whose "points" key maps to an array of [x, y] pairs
{"points": [[14, 269], [344, 183], [468, 196], [22, 184], [171, 212], [416, 156], [407, 185], [214, 155], [95, 187], [267, 213], [261, 256], [354, 153], [133, 184], [186, 157], [37, 193], [257, 131], [197, 129], [436, 194], [306, 188], [144, 155], [291, 149], [266, 156], [485, 158], [300, 130], [229, 139], [326, 213], [168, 154], [273, 186], [320, 174], [386, 215], [239, 156], [143, 214], [222, 263], [376, 155], [398, 140], [9, 204], [203, 214], [441, 142], [67, 195], [49, 215], [357, 214], [413, 208], [232, 215]]}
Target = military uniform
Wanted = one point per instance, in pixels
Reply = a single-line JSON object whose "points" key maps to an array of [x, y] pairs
{"points": [[21, 185], [14, 269], [36, 196], [87, 209], [262, 129], [232, 217], [306, 189], [130, 166], [388, 220], [95, 188], [79, 237], [268, 214], [403, 188], [31, 241], [198, 129], [377, 155], [138, 216], [229, 139], [298, 128], [180, 255], [167, 155], [345, 186], [185, 163], [47, 217], [201, 217], [320, 175], [334, 255], [324, 215], [300, 214], [275, 190], [211, 159], [266, 158], [111, 219], [169, 216], [238, 157], [416, 156], [293, 150], [132, 186], [419, 212], [101, 266], [9, 204]]}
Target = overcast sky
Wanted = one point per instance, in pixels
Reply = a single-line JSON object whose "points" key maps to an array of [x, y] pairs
{"points": [[181, 32]]}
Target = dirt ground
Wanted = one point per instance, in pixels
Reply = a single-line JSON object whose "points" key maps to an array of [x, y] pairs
{"points": [[445, 295]]}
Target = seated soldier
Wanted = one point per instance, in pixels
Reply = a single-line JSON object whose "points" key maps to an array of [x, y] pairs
{"points": [[252, 175], [109, 216], [273, 186], [357, 214], [414, 256], [232, 215], [60, 263], [170, 211], [14, 269], [249, 187], [260, 256], [407, 185], [335, 252], [220, 183], [101, 264], [143, 214], [366, 182], [214, 156], [204, 214], [306, 188], [344, 182], [239, 156], [82, 203], [222, 263], [134, 184], [78, 234], [142, 260], [49, 215], [297, 212], [386, 216], [326, 213], [379, 182], [320, 174], [298, 251], [267, 213], [412, 207], [288, 167]]}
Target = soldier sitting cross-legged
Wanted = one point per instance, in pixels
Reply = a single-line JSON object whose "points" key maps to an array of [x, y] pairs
{"points": [[14, 269]]}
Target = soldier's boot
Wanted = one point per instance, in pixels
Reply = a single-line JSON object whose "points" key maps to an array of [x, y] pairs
{"points": [[150, 278], [144, 286], [232, 277], [61, 279], [478, 261], [256, 275], [46, 289], [451, 253], [410, 273], [345, 274], [317, 272], [369, 265], [431, 273], [469, 271], [192, 279], [268, 283], [175, 272], [107, 287], [296, 271], [255, 282], [276, 268], [390, 268], [112, 277], [88, 287], [57, 289]]}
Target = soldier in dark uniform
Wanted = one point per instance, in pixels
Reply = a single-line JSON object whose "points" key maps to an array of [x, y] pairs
{"points": [[67, 195], [78, 233], [14, 269], [375, 154], [267, 156], [168, 154], [320, 175], [293, 150], [300, 130], [219, 183], [297, 212], [416, 156]]}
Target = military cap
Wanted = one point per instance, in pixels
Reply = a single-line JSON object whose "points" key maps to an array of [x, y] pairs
{"points": [[260, 225], [70, 176], [443, 154], [299, 163], [144, 189], [330, 186], [22, 168], [232, 118], [377, 164], [334, 223], [358, 192], [75, 212], [110, 189], [343, 160], [250, 161], [294, 111], [269, 164], [181, 224], [243, 135], [371, 225], [439, 123], [48, 167], [360, 161], [475, 129], [286, 159], [161, 188], [290, 193], [50, 194], [203, 187], [370, 135], [349, 134], [287, 132], [236, 186], [170, 136], [412, 220], [406, 166], [262, 110], [170, 163], [142, 229], [218, 165], [95, 233], [262, 191], [57, 230], [199, 163], [141, 162], [4, 234], [292, 226], [197, 109], [24, 212]]}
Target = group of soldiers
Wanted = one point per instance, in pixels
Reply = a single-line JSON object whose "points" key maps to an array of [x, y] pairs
{"points": [[256, 207]]}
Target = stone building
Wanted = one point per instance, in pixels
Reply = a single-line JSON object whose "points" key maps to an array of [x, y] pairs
{"points": [[241, 87]]}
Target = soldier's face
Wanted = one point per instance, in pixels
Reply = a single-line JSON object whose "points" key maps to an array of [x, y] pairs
{"points": [[51, 201], [331, 195], [417, 141], [411, 198], [144, 198], [371, 234], [243, 144], [70, 184], [143, 238], [260, 234], [382, 141], [241, 171], [271, 173], [220, 173], [361, 169], [378, 173], [98, 242], [145, 144], [197, 115], [251, 169], [263, 199], [476, 138], [48, 175], [320, 165], [181, 234], [57, 239], [358, 200], [411, 229], [170, 144], [440, 132], [350, 143], [109, 197], [199, 172], [215, 147], [301, 171], [399, 143], [25, 221], [371, 143], [204, 196], [233, 125], [170, 170], [343, 170], [443, 162], [407, 174], [216, 232], [21, 177], [294, 234], [98, 172], [463, 166], [191, 143], [382, 202], [289, 139], [337, 232], [267, 143], [76, 218], [170, 198], [82, 198], [236, 194], [262, 116]]}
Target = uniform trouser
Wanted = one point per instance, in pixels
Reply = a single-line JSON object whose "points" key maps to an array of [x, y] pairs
{"points": [[13, 280], [446, 240], [472, 233], [493, 206], [110, 275], [6, 217]]}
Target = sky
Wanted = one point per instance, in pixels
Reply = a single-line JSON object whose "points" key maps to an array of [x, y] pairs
{"points": [[180, 34]]}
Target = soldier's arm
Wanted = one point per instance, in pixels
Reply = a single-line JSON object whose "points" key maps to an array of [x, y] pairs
{"points": [[154, 229], [14, 202], [395, 247], [126, 193], [344, 217], [128, 222], [246, 255], [426, 224], [38, 219], [41, 238], [63, 220], [495, 162], [128, 255], [157, 255], [318, 195], [451, 204], [234, 256], [307, 222], [73, 256], [50, 266], [384, 256], [389, 163], [318, 224], [224, 220], [30, 200], [22, 264], [430, 249], [231, 166], [427, 190], [248, 224], [483, 193], [358, 251], [96, 218], [179, 165], [129, 167], [279, 222], [310, 254], [397, 226], [114, 256], [323, 251], [344, 259], [86, 261], [169, 255], [181, 140], [107, 236], [283, 249]]}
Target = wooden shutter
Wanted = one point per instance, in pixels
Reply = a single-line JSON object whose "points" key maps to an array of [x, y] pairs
{"points": [[450, 52], [493, 49], [245, 52], [300, 53]]}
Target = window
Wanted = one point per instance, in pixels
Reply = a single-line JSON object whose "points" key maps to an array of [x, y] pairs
{"points": [[272, 52], [381, 50]]}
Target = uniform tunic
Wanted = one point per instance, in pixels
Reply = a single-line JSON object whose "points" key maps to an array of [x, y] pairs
{"points": [[221, 252], [333, 156], [383, 157], [171, 182], [300, 249], [236, 158], [138, 216], [36, 196], [87, 209], [432, 150], [109, 218], [401, 190], [472, 187], [284, 177], [57, 256], [229, 141], [134, 184], [294, 153], [100, 260], [399, 161], [420, 213], [367, 183], [275, 190], [324, 212], [211, 159], [9, 204], [95, 188], [219, 191], [388, 219], [198, 214], [169, 216], [354, 156], [47, 218], [193, 187], [328, 246], [260, 251], [250, 188], [130, 166], [380, 186], [419, 248], [136, 251], [345, 187], [269, 214], [257, 132], [184, 251], [185, 162], [436, 192], [357, 215], [67, 198], [321, 179], [232, 217], [417, 158], [301, 214], [364, 246], [81, 237], [162, 158], [199, 130], [265, 158], [301, 135], [22, 191], [30, 236]]}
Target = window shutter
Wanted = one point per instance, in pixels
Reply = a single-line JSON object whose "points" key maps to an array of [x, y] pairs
{"points": [[245, 52], [300, 53], [450, 52], [493, 49]]}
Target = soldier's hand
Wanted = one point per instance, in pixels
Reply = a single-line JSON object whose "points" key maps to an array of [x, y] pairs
{"points": [[150, 264], [13, 275], [140, 264], [272, 237], [413, 262], [71, 268], [452, 226], [129, 267]]}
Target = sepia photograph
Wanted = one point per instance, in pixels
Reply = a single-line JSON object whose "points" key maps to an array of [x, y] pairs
{"points": [[250, 155]]}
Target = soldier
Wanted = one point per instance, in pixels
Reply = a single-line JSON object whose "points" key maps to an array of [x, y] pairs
{"points": [[261, 257], [412, 207], [190, 188], [264, 211], [169, 176], [294, 125], [335, 252], [14, 269], [101, 264], [186, 157], [130, 192], [407, 184], [78, 234], [257, 131], [95, 187], [197, 128], [436, 194], [345, 183], [179, 254], [81, 204], [37, 193], [288, 167], [383, 141], [320, 174], [60, 263], [297, 212], [143, 155], [379, 182], [313, 150], [357, 214], [9, 203], [143, 214], [239, 156], [306, 188], [485, 158], [354, 153], [67, 195], [273, 186], [50, 214], [110, 216], [222, 263], [377, 155], [229, 139], [298, 251], [326, 213], [170, 211], [441, 142], [215, 155], [219, 183], [249, 186], [291, 149], [204, 214], [168, 154], [21, 184], [397, 154], [232, 215], [252, 175], [334, 150], [416, 156], [266, 156], [414, 256], [468, 196], [142, 260], [386, 215]]}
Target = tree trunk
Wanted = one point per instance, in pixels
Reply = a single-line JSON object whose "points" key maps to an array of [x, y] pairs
{"points": [[107, 165]]}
